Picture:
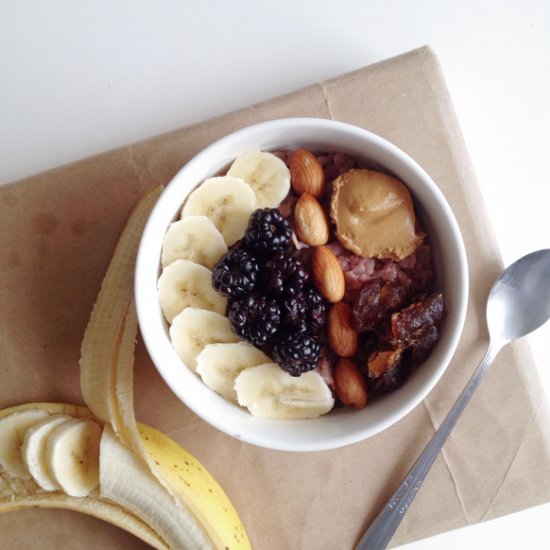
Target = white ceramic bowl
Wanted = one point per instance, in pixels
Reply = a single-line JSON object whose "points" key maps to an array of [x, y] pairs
{"points": [[339, 427]]}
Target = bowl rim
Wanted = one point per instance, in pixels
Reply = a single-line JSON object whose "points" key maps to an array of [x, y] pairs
{"points": [[326, 432]]}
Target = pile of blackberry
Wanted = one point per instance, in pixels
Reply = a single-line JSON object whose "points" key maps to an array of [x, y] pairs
{"points": [[271, 300]]}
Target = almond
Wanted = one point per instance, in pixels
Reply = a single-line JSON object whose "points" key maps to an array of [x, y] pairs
{"points": [[349, 384], [342, 337], [327, 274], [306, 173], [310, 221]]}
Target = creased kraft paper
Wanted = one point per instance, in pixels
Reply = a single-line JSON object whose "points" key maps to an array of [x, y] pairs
{"points": [[58, 231]]}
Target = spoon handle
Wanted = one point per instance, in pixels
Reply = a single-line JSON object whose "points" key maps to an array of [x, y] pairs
{"points": [[385, 524]]}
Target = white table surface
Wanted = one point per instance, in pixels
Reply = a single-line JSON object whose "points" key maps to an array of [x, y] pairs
{"points": [[78, 78]]}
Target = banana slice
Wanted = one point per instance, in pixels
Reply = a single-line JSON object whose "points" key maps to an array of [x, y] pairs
{"points": [[220, 364], [72, 454], [193, 238], [269, 392], [267, 174], [34, 450], [186, 284], [194, 328], [228, 201], [12, 433]]}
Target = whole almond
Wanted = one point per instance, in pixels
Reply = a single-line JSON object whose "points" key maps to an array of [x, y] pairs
{"points": [[349, 384], [327, 274], [310, 221], [342, 337], [306, 173]]}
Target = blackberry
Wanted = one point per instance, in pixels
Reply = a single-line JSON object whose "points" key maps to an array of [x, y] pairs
{"points": [[255, 318], [303, 311], [294, 311], [235, 274], [267, 230], [297, 353], [283, 274], [317, 309]]}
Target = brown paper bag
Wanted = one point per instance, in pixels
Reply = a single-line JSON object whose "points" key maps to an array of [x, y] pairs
{"points": [[57, 234]]}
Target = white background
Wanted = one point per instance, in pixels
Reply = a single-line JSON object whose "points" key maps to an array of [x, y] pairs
{"points": [[80, 77]]}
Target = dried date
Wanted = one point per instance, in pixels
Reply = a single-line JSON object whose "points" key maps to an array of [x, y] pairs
{"points": [[382, 361], [390, 380], [376, 302], [417, 326]]}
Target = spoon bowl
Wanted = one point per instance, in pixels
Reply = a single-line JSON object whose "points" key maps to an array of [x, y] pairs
{"points": [[518, 303]]}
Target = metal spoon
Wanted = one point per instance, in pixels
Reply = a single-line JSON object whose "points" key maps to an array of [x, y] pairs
{"points": [[518, 303]]}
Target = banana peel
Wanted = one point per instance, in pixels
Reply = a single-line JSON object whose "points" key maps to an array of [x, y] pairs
{"points": [[103, 345], [106, 379], [92, 505], [196, 489]]}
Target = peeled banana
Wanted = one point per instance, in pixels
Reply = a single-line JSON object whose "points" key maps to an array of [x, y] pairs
{"points": [[204, 517], [17, 493]]}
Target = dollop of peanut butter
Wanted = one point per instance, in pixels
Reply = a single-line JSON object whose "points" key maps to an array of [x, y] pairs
{"points": [[374, 215]]}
